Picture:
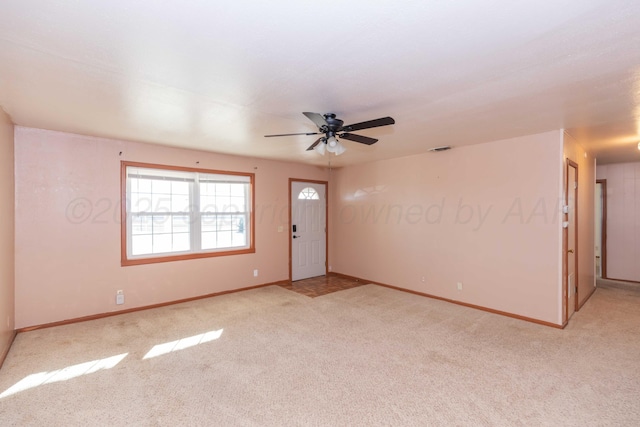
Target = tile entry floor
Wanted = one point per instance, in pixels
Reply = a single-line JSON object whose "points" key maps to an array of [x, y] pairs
{"points": [[322, 285]]}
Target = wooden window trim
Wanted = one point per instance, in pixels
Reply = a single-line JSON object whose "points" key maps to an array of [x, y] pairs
{"points": [[124, 261]]}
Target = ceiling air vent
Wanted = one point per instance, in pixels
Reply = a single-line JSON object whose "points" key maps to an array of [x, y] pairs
{"points": [[443, 148]]}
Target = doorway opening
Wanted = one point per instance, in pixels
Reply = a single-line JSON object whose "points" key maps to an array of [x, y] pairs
{"points": [[570, 242], [601, 228]]}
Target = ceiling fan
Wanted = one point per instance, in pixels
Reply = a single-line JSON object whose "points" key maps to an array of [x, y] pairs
{"points": [[332, 128]]}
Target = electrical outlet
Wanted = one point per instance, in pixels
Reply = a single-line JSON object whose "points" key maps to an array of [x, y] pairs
{"points": [[255, 273], [423, 279], [119, 297], [459, 286]]}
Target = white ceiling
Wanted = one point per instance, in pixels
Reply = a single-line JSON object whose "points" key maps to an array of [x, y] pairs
{"points": [[218, 75]]}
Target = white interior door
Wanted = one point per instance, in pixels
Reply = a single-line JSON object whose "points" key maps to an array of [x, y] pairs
{"points": [[308, 230]]}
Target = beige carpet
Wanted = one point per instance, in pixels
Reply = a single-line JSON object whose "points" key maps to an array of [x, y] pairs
{"points": [[363, 356]]}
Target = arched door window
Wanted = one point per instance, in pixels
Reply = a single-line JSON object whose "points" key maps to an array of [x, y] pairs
{"points": [[308, 193]]}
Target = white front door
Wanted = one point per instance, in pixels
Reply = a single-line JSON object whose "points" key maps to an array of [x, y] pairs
{"points": [[308, 229]]}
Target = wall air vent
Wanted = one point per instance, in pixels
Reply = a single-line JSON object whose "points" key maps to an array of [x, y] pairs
{"points": [[443, 148]]}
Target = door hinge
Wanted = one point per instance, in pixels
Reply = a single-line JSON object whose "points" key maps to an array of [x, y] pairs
{"points": [[575, 185]]}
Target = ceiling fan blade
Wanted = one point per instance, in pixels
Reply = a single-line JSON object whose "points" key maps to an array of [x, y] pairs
{"points": [[316, 118], [292, 134], [358, 138], [312, 146], [384, 121]]}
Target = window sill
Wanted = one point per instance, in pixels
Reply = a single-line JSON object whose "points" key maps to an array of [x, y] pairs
{"points": [[169, 258]]}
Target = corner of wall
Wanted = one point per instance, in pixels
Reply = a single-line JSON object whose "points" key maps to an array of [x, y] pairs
{"points": [[575, 151], [7, 235]]}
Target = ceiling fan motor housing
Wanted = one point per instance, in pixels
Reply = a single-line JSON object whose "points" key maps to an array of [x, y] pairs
{"points": [[333, 124]]}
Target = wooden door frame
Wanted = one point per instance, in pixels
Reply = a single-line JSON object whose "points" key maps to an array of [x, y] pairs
{"points": [[603, 228], [326, 223], [565, 243]]}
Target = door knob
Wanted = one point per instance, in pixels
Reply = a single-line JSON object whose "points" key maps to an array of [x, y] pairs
{"points": [[570, 251], [295, 237]]}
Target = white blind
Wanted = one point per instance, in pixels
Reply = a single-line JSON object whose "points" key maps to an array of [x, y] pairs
{"points": [[176, 175], [160, 174]]}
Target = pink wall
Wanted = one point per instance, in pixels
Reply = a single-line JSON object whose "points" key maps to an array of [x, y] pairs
{"points": [[623, 219], [70, 267], [586, 214], [6, 232], [485, 215]]}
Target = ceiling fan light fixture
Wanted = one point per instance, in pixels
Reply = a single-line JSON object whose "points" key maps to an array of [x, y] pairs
{"points": [[339, 149], [320, 148], [334, 146]]}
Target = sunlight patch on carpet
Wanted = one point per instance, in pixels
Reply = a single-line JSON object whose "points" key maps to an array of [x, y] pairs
{"points": [[181, 344], [64, 374]]}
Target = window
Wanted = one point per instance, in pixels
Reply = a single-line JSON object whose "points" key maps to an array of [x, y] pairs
{"points": [[308, 193], [173, 213]]}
